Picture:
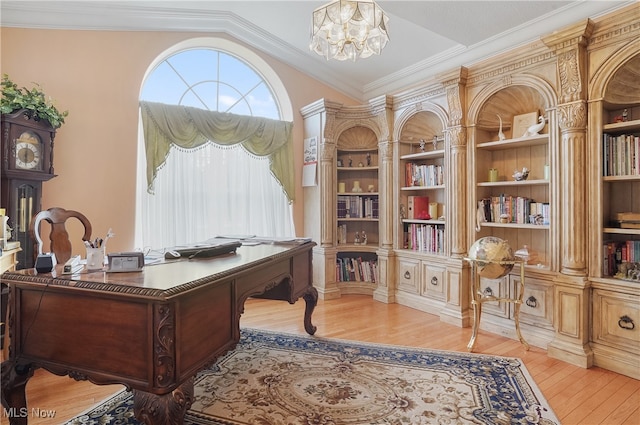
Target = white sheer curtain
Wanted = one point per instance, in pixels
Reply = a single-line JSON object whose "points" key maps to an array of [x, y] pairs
{"points": [[207, 192]]}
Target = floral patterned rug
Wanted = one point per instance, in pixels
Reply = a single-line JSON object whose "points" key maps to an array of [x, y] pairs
{"points": [[280, 379]]}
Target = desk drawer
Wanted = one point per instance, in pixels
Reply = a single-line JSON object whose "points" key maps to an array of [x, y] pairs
{"points": [[256, 283]]}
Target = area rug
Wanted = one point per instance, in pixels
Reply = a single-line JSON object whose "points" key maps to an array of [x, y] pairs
{"points": [[281, 379]]}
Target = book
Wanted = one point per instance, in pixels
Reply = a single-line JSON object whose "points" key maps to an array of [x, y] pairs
{"points": [[418, 207]]}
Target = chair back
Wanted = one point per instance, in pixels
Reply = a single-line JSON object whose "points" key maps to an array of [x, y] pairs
{"points": [[59, 237]]}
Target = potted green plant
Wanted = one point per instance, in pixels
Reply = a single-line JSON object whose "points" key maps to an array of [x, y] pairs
{"points": [[34, 103]]}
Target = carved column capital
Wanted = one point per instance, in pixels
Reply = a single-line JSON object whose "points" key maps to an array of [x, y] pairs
{"points": [[572, 116], [457, 137], [385, 151], [327, 150]]}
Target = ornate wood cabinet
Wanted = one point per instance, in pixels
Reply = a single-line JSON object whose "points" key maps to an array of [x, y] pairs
{"points": [[351, 199], [614, 191]]}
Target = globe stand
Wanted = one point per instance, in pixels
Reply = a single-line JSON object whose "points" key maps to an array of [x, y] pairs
{"points": [[478, 296]]}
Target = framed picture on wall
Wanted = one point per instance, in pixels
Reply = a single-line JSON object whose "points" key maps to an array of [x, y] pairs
{"points": [[522, 122]]}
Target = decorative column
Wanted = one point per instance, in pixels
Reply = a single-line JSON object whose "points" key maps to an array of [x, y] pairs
{"points": [[456, 310], [456, 141], [571, 342], [327, 151], [385, 291]]}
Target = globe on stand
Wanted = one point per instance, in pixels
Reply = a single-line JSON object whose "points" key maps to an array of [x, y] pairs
{"points": [[490, 253]]}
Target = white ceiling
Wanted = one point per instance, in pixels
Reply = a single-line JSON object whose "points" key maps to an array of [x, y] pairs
{"points": [[426, 37]]}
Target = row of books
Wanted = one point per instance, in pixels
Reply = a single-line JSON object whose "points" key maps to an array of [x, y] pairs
{"points": [[423, 175], [616, 253], [518, 209], [425, 238], [356, 269], [354, 206], [621, 155]]}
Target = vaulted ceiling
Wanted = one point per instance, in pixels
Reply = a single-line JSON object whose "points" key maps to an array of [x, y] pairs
{"points": [[426, 37]]}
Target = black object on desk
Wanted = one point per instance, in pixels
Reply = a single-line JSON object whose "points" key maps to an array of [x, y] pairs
{"points": [[208, 251]]}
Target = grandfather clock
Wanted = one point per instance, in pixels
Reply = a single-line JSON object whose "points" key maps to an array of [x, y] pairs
{"points": [[27, 161]]}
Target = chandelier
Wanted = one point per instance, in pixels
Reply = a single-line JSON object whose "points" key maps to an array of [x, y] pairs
{"points": [[346, 29]]}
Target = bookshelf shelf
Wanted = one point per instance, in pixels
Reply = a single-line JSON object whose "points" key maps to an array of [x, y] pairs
{"points": [[621, 178], [415, 221], [420, 188], [423, 155], [537, 140], [535, 182], [516, 226], [353, 248], [356, 169], [622, 126], [620, 231]]}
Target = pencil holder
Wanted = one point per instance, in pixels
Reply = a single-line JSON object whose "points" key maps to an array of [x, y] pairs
{"points": [[95, 258]]}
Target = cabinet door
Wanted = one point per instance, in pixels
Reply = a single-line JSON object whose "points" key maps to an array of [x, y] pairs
{"points": [[409, 275], [616, 320], [496, 288], [433, 282], [537, 302]]}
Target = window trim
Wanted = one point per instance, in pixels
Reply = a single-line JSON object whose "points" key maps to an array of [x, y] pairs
{"points": [[246, 55]]}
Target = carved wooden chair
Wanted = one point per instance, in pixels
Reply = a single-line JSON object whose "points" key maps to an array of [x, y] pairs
{"points": [[59, 237]]}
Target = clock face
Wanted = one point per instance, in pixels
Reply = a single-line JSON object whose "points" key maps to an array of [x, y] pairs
{"points": [[28, 156]]}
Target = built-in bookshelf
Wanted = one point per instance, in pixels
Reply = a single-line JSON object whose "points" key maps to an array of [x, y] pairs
{"points": [[512, 192], [614, 122], [357, 211], [423, 194], [357, 199], [621, 189], [422, 197]]}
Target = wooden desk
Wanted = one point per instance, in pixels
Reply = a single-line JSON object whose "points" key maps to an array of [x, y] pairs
{"points": [[151, 331]]}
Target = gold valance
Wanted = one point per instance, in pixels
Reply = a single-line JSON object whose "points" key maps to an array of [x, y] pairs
{"points": [[189, 127]]}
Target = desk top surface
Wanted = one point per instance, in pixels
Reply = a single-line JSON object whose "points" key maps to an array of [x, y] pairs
{"points": [[165, 278]]}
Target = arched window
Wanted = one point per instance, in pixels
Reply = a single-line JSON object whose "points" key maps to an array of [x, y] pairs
{"points": [[212, 190]]}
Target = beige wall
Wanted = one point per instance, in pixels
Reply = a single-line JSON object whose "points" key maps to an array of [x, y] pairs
{"points": [[97, 75]]}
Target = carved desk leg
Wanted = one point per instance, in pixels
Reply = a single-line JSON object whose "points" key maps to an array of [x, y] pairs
{"points": [[167, 409], [311, 299], [14, 400]]}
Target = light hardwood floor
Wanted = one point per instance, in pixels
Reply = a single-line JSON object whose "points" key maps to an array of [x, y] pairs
{"points": [[578, 396]]}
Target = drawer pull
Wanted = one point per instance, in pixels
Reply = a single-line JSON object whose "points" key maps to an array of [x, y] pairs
{"points": [[407, 275], [626, 322], [488, 291], [434, 281], [532, 302]]}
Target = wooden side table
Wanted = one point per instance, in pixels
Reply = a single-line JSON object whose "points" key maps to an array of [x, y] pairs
{"points": [[478, 297]]}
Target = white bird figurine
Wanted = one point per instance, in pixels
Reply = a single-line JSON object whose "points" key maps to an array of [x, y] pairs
{"points": [[501, 135], [521, 175], [535, 128]]}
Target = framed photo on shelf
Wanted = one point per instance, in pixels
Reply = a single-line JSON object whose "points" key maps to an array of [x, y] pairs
{"points": [[522, 122]]}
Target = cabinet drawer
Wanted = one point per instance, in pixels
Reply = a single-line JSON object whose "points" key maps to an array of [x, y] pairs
{"points": [[616, 320], [537, 302], [496, 288], [409, 276], [433, 282]]}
